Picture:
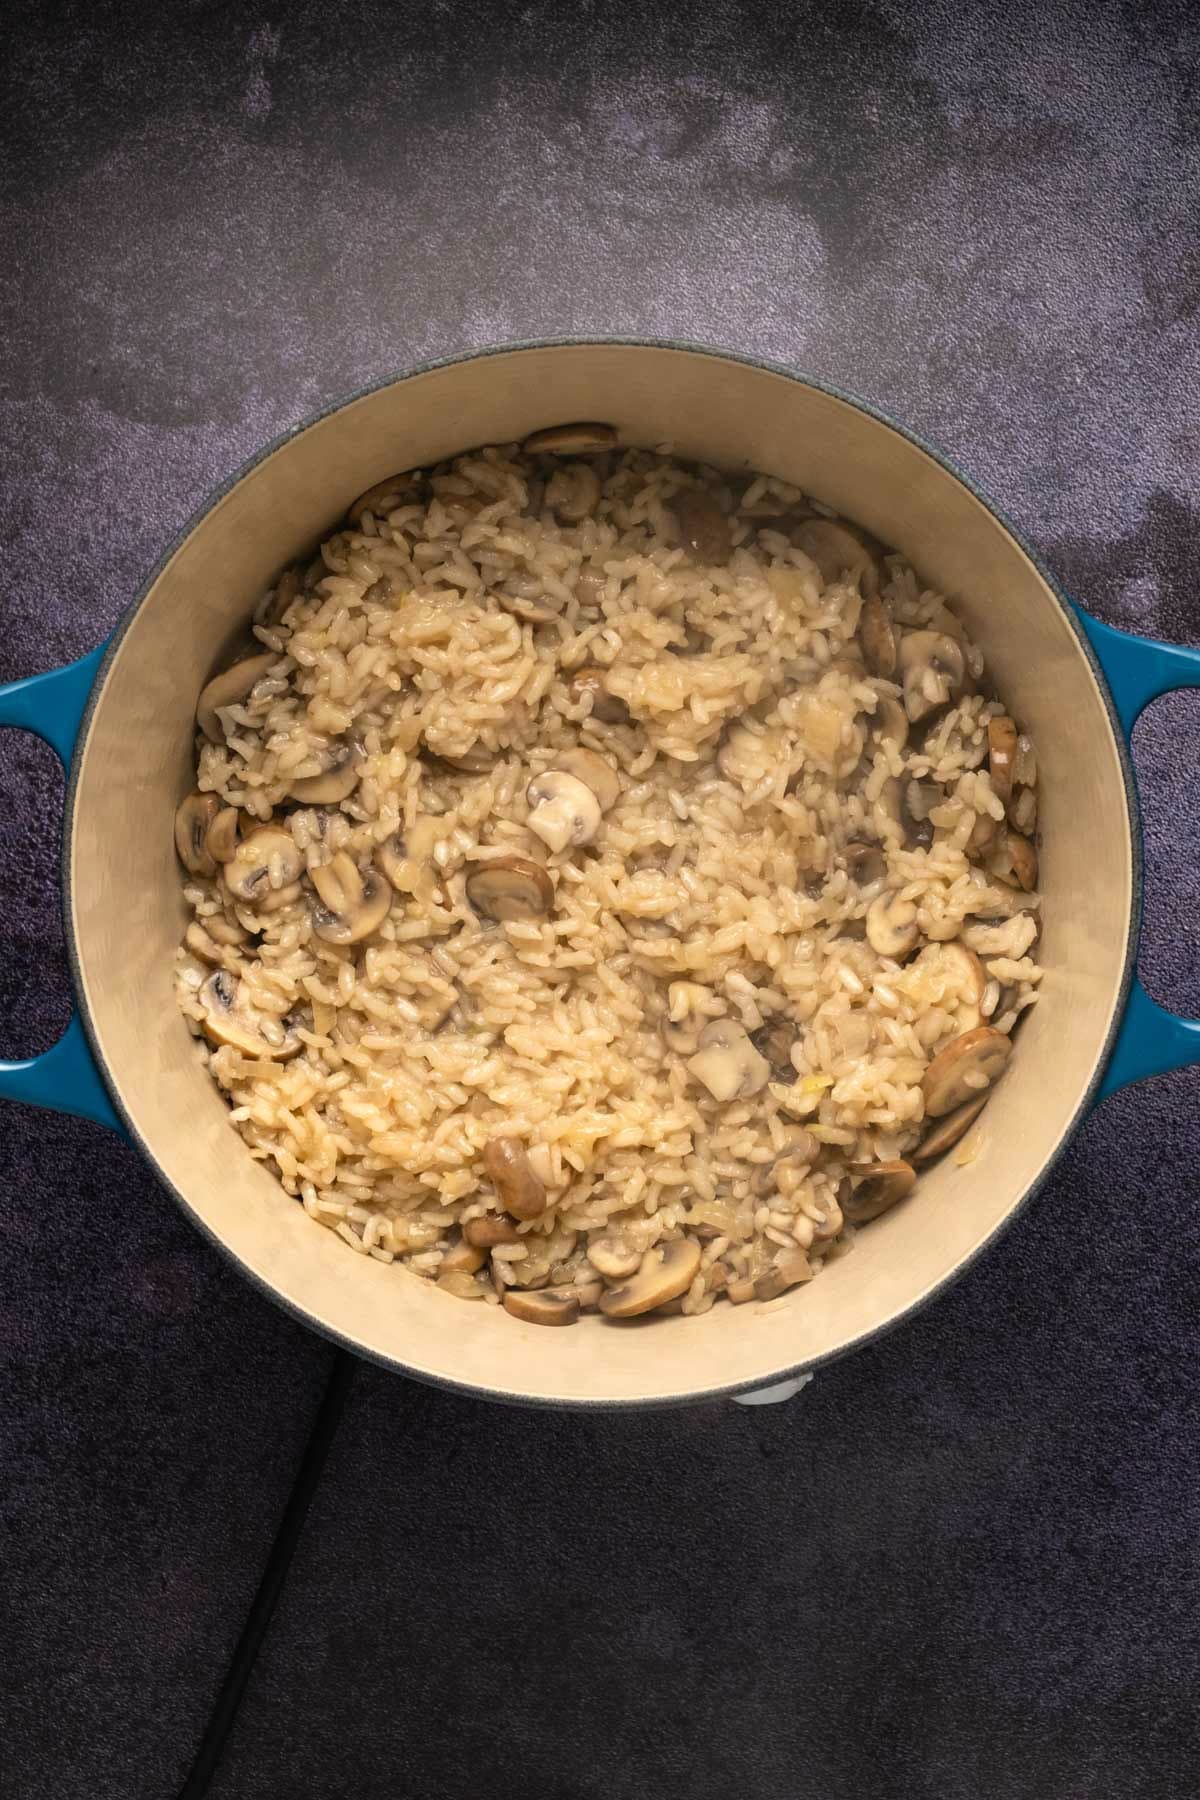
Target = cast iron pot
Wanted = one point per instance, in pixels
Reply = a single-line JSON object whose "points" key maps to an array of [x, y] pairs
{"points": [[122, 719]]}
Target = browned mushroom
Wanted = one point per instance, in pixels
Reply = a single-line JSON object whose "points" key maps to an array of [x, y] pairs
{"points": [[665, 1272], [948, 1130], [222, 839], [865, 863], [932, 671], [787, 1271], [266, 866], [225, 931], [230, 1019], [727, 1063], [740, 1290], [582, 439], [384, 497], [463, 1258], [349, 905], [892, 928], [547, 1306], [491, 1228], [1015, 861], [475, 761], [525, 598], [199, 942], [1002, 755], [838, 550], [193, 821], [517, 1187], [703, 527], [874, 1188], [613, 1257], [510, 887], [774, 1039], [878, 636], [229, 688], [965, 1068], [596, 772], [608, 708], [889, 721], [336, 782]]}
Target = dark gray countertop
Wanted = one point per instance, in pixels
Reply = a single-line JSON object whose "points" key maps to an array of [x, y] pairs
{"points": [[964, 1562]]}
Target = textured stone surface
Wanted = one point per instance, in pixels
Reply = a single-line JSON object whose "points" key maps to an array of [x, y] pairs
{"points": [[961, 1563]]}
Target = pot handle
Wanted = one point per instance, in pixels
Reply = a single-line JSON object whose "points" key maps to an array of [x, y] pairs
{"points": [[1150, 1040], [63, 1078]]}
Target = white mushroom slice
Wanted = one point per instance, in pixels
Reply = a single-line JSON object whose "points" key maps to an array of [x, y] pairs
{"points": [[703, 527], [336, 783], [265, 864], [406, 858], [595, 771], [350, 906], [228, 689], [889, 722], [225, 931], [837, 550], [1015, 861], [492, 1228], [463, 1258], [565, 811], [966, 1068], [878, 636], [517, 1187], [228, 1019], [948, 1130], [876, 1187], [608, 708], [572, 492], [200, 944], [727, 1063], [1002, 755], [581, 439], [510, 887], [892, 928], [222, 838], [613, 1258], [549, 1306], [666, 1272], [193, 821], [931, 670], [384, 497], [788, 1271]]}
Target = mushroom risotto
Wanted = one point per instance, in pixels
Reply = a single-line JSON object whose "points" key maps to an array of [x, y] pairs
{"points": [[611, 880]]}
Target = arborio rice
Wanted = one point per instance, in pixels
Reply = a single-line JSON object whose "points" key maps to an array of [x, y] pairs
{"points": [[609, 878]]}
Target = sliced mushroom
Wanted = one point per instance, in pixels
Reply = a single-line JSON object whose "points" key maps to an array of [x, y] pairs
{"points": [[547, 1306], [228, 689], [230, 1019], [1002, 755], [1015, 861], [787, 1271], [595, 771], [564, 810], [931, 670], [613, 1258], [878, 636], [665, 1272], [264, 865], [510, 887], [689, 1005], [394, 488], [193, 821], [892, 928], [491, 1228], [948, 1130], [406, 858], [349, 906], [198, 941], [774, 1040], [838, 550], [889, 721], [335, 783], [865, 863], [534, 607], [703, 527], [463, 1258], [605, 706], [727, 1063], [740, 1290], [572, 492], [966, 1068], [475, 761], [517, 1187], [225, 931], [222, 839], [581, 439], [874, 1188]]}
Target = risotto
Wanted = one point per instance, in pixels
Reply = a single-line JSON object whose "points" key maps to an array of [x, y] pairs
{"points": [[610, 881]]}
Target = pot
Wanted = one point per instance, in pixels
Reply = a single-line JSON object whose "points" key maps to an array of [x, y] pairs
{"points": [[128, 1062]]}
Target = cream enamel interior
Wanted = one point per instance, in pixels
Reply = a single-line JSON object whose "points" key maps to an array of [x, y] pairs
{"points": [[133, 767]]}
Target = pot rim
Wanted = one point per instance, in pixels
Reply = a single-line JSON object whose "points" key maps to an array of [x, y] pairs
{"points": [[717, 353]]}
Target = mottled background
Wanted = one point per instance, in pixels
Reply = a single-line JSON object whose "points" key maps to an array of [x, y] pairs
{"points": [[963, 1563]]}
